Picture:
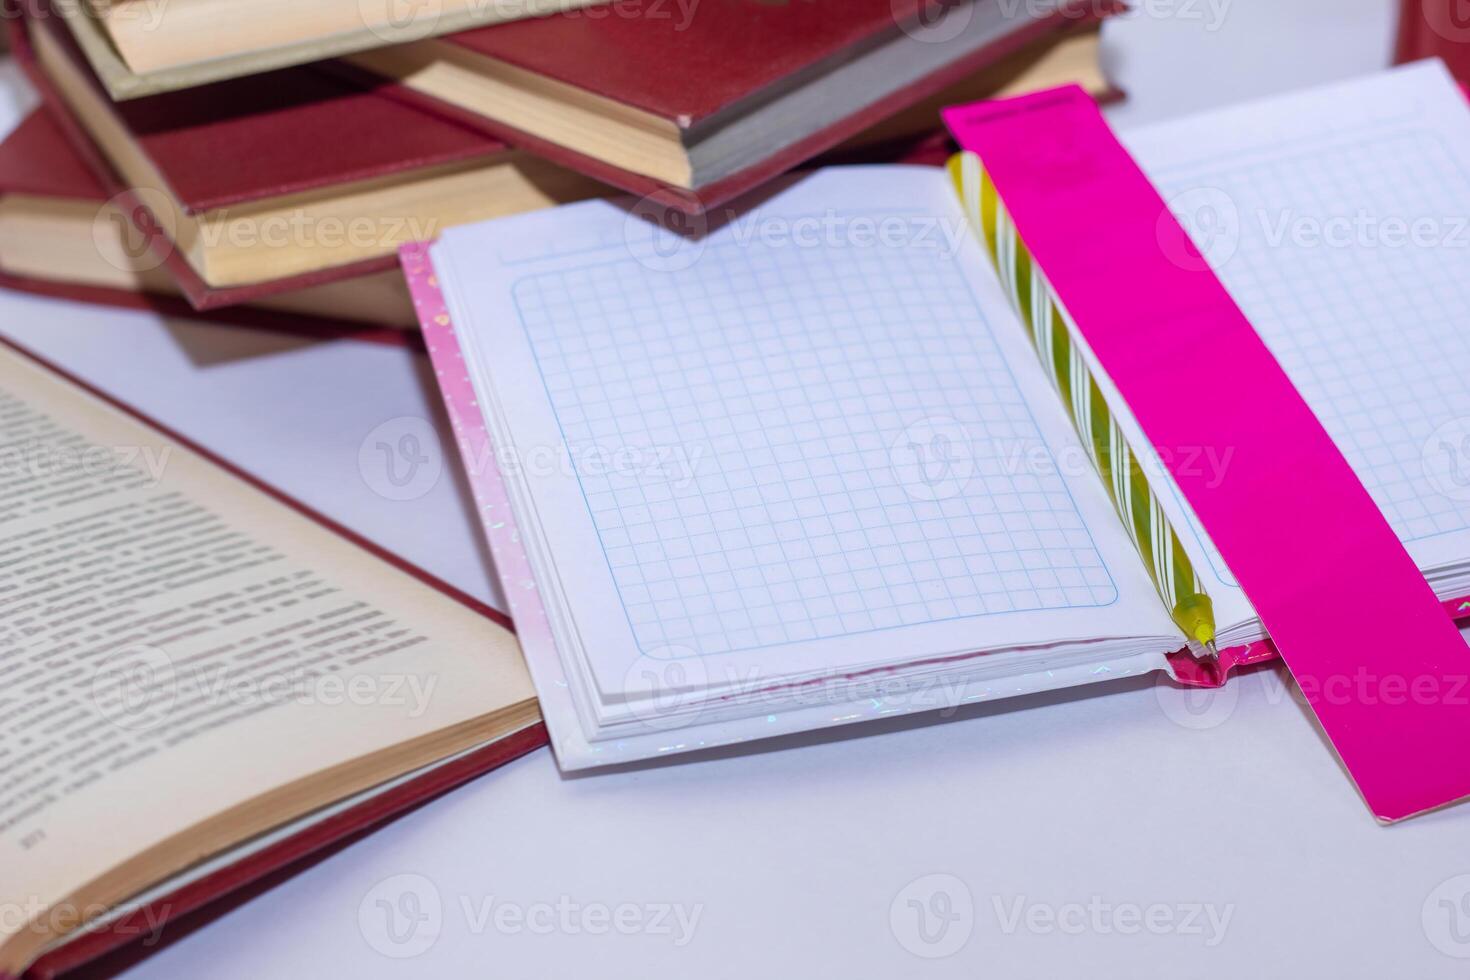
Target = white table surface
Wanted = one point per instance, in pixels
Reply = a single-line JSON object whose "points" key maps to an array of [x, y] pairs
{"points": [[1125, 831]]}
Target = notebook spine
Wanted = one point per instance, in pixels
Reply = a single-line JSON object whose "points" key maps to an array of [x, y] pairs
{"points": [[1158, 544]]}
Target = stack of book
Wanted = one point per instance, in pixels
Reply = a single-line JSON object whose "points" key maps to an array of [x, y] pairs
{"points": [[203, 157], [874, 441]]}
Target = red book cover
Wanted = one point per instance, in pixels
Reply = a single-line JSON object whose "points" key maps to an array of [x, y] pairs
{"points": [[699, 60], [36, 159], [1436, 29], [699, 66]]}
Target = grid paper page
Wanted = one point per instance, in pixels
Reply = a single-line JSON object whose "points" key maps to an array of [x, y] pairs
{"points": [[1336, 217], [1368, 326], [844, 439], [814, 443]]}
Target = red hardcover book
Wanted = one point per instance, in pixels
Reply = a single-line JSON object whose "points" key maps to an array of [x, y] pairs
{"points": [[282, 181], [708, 101], [60, 237], [1436, 29]]}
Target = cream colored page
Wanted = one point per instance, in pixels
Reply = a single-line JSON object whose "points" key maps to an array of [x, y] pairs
{"points": [[176, 642]]}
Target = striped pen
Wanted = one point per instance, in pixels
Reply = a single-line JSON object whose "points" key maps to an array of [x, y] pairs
{"points": [[1173, 575]]}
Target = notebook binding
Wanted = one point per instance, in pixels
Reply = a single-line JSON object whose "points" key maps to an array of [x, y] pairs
{"points": [[1051, 334]]}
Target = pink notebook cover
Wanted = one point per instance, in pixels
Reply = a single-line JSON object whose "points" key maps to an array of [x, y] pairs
{"points": [[1056, 164], [492, 507]]}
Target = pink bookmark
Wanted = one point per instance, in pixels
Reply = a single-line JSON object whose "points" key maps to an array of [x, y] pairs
{"points": [[1359, 628]]}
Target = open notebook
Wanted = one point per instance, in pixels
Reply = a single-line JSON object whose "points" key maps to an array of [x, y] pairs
{"points": [[808, 468]]}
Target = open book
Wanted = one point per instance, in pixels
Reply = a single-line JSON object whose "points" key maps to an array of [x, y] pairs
{"points": [[195, 673], [807, 467]]}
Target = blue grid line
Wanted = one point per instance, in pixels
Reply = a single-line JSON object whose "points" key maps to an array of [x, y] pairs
{"points": [[762, 354], [1372, 337]]}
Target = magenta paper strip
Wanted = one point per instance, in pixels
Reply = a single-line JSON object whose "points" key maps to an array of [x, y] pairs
{"points": [[1345, 605]]}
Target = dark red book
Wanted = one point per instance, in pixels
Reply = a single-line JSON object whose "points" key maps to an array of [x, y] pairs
{"points": [[282, 181], [1436, 29], [60, 237], [695, 108]]}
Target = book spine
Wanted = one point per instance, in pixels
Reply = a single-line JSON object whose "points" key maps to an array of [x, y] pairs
{"points": [[1158, 544]]}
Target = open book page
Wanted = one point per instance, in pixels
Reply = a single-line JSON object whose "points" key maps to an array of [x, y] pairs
{"points": [[1337, 219], [811, 442], [188, 662]]}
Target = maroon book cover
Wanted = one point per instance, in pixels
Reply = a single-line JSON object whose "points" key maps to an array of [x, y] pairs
{"points": [[722, 59], [698, 61], [36, 159], [1436, 29]]}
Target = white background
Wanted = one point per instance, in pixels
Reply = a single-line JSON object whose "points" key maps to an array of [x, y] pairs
{"points": [[1117, 821]]}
